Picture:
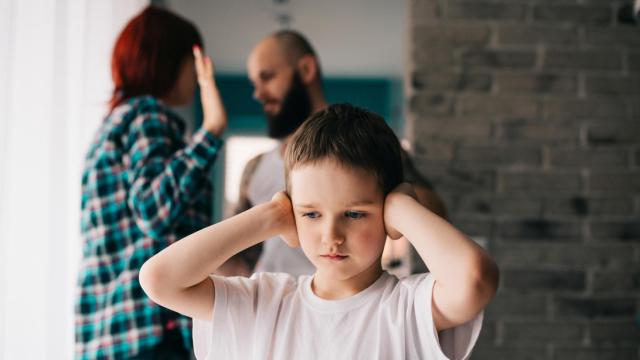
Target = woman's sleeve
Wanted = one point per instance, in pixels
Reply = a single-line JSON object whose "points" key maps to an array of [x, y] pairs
{"points": [[165, 181]]}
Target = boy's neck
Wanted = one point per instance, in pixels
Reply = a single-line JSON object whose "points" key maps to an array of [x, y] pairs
{"points": [[330, 288]]}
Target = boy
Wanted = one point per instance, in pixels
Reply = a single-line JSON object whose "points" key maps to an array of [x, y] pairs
{"points": [[343, 174]]}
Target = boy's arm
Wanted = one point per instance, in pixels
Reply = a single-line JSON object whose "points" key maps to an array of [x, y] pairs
{"points": [[178, 276], [466, 278]]}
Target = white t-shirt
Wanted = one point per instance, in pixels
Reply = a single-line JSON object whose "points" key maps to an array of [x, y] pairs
{"points": [[277, 256], [271, 316]]}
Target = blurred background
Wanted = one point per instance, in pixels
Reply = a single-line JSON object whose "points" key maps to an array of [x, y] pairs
{"points": [[524, 114]]}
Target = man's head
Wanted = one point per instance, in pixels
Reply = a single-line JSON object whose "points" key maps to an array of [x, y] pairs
{"points": [[285, 73], [339, 166]]}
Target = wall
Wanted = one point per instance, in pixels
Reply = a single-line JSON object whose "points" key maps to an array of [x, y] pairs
{"points": [[525, 114], [353, 37]]}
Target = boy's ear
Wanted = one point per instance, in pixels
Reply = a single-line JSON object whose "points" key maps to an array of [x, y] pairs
{"points": [[308, 69]]}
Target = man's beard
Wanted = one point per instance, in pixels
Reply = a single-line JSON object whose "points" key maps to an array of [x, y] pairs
{"points": [[294, 110]]}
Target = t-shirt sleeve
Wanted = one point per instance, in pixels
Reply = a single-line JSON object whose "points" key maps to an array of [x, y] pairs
{"points": [[455, 343], [239, 303]]}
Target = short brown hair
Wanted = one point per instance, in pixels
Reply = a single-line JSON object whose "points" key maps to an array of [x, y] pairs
{"points": [[353, 137]]}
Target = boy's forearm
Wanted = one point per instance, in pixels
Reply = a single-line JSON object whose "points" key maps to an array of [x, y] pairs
{"points": [[450, 255], [191, 260]]}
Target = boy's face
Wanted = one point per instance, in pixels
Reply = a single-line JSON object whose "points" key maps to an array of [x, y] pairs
{"points": [[339, 218]]}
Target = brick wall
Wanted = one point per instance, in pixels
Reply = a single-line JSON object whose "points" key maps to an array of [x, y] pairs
{"points": [[526, 116]]}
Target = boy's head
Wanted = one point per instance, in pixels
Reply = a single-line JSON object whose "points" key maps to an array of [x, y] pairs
{"points": [[339, 167], [351, 136]]}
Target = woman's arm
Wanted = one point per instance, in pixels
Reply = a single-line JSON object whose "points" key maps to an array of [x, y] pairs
{"points": [[165, 178], [214, 117], [466, 278]]}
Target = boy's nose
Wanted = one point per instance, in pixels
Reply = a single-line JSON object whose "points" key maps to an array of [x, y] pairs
{"points": [[333, 234]]}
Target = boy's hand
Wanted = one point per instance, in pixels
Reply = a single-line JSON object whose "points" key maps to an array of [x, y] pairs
{"points": [[286, 222], [404, 189]]}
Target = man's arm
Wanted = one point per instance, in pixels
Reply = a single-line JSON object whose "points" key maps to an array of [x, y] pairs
{"points": [[244, 203], [466, 278], [178, 276], [425, 192], [243, 263], [430, 199]]}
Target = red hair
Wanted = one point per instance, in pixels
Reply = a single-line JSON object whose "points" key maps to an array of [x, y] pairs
{"points": [[149, 52]]}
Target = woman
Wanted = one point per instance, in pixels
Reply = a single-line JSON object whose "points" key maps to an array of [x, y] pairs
{"points": [[144, 187]]}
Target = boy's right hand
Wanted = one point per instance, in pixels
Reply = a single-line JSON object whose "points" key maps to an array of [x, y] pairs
{"points": [[285, 222]]}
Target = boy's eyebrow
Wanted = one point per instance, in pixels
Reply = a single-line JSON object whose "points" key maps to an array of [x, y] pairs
{"points": [[361, 202], [353, 203], [309, 206]]}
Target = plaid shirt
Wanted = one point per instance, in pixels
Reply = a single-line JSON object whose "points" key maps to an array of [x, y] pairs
{"points": [[143, 188]]}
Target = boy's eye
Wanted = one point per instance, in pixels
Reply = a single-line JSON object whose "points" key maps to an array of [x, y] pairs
{"points": [[311, 215], [354, 214]]}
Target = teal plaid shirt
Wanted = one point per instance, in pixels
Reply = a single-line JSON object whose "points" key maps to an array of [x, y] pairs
{"points": [[143, 188]]}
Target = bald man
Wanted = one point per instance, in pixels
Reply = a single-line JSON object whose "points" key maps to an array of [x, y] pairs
{"points": [[287, 79]]}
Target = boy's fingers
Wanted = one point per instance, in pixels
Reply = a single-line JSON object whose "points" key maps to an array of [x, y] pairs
{"points": [[392, 233], [406, 188], [292, 240], [289, 233], [280, 196]]}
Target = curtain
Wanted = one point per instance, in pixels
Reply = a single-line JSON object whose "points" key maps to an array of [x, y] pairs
{"points": [[54, 86]]}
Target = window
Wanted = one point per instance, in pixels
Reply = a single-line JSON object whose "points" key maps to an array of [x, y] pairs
{"points": [[239, 150]]}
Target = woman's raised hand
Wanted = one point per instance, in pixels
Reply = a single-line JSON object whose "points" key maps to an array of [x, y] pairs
{"points": [[215, 116]]}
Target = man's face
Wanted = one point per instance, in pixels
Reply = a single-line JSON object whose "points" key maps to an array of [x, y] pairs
{"points": [[279, 88], [339, 219]]}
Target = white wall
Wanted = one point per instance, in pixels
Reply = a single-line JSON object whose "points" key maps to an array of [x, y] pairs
{"points": [[54, 84], [353, 37]]}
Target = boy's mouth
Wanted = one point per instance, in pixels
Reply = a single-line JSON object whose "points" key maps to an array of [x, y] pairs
{"points": [[335, 257]]}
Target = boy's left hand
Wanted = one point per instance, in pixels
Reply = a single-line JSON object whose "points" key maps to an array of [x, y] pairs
{"points": [[404, 189], [286, 220]]}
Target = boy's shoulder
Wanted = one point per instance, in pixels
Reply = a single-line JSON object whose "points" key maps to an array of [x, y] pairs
{"points": [[408, 285], [270, 286], [414, 279]]}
